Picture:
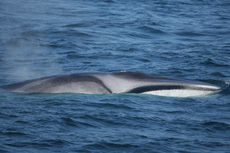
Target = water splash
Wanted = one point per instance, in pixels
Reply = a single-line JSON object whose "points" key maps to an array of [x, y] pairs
{"points": [[227, 82], [226, 87]]}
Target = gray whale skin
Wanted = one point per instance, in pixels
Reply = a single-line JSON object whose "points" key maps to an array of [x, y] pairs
{"points": [[104, 83]]}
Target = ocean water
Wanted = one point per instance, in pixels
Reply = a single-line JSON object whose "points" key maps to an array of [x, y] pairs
{"points": [[174, 38]]}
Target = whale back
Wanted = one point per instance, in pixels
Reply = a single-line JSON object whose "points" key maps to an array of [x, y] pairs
{"points": [[99, 83], [74, 83], [139, 75]]}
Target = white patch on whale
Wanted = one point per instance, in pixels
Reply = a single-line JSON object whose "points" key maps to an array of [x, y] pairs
{"points": [[180, 93]]}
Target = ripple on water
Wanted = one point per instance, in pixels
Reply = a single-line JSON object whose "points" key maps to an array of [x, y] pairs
{"points": [[151, 30], [216, 126], [212, 62]]}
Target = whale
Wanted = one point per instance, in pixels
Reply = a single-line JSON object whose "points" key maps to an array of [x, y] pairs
{"points": [[114, 83]]}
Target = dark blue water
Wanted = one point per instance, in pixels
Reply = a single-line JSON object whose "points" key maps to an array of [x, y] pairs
{"points": [[174, 38]]}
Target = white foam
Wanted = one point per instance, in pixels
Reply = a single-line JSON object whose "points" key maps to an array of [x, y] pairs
{"points": [[180, 93]]}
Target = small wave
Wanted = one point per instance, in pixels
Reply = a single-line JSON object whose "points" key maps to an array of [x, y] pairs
{"points": [[189, 34], [211, 62], [44, 143], [179, 112], [101, 120], [109, 1], [112, 106], [139, 35], [71, 33], [218, 74], [151, 30], [76, 25], [3, 151], [214, 125], [70, 122], [12, 133], [110, 146], [57, 142]]}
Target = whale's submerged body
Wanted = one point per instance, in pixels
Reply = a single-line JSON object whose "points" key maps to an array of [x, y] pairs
{"points": [[118, 82]]}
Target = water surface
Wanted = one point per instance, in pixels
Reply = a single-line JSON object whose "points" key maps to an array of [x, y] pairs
{"points": [[181, 39]]}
